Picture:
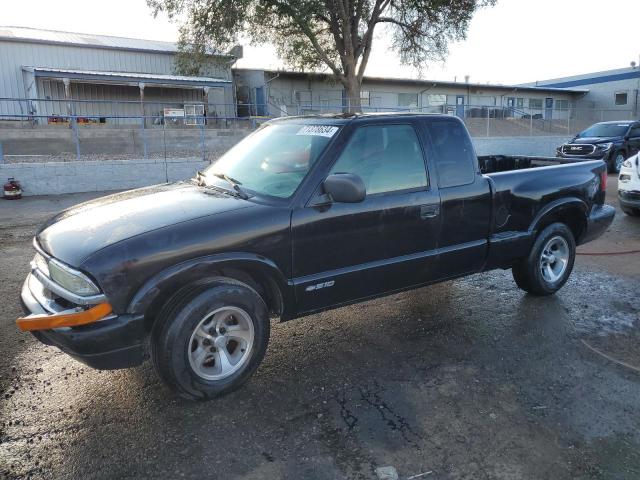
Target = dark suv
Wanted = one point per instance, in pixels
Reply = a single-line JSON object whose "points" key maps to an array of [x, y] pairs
{"points": [[612, 142]]}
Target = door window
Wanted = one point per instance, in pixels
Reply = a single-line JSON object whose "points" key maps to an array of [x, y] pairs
{"points": [[635, 132], [387, 157], [453, 153]]}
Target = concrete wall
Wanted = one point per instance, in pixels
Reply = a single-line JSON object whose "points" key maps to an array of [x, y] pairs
{"points": [[105, 140], [533, 146], [69, 177]]}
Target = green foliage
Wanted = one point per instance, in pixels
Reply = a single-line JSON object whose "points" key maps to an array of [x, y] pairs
{"points": [[320, 34]]}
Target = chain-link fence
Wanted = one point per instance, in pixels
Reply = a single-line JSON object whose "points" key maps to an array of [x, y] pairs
{"points": [[42, 130], [488, 120]]}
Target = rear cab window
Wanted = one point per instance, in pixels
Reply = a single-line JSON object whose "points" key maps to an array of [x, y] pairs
{"points": [[452, 152]]}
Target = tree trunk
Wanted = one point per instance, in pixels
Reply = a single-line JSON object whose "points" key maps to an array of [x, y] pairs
{"points": [[352, 88]]}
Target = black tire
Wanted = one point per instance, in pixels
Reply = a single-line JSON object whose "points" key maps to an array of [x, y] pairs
{"points": [[612, 165], [527, 272], [632, 212], [172, 337]]}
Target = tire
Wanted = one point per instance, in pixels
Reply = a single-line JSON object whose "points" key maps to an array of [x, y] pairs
{"points": [[615, 162], [232, 324], [632, 212], [528, 272]]}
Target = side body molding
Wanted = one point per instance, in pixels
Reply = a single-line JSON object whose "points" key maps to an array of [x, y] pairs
{"points": [[201, 268]]}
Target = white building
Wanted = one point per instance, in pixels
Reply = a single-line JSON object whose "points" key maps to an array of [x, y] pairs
{"points": [[62, 73], [613, 93], [276, 93]]}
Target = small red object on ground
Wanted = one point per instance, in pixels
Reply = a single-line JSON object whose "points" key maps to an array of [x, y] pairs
{"points": [[12, 189]]}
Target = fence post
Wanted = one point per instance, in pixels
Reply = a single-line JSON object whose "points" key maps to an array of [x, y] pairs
{"points": [[530, 123], [141, 86], [204, 154], [74, 126], [1, 154], [488, 121]]}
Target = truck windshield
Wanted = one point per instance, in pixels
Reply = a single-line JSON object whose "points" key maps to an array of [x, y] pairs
{"points": [[274, 159], [605, 130]]}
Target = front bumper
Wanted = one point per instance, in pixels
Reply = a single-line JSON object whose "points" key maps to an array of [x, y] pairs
{"points": [[117, 341], [598, 221], [629, 198]]}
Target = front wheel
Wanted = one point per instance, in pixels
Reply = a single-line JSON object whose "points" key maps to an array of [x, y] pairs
{"points": [[617, 159], [209, 340], [550, 262]]}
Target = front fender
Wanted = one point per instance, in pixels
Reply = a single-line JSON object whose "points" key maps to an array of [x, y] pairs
{"points": [[189, 271]]}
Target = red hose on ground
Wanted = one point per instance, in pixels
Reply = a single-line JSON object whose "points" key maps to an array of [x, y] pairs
{"points": [[627, 252]]}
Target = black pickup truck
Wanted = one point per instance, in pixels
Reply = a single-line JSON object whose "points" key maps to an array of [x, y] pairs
{"points": [[303, 215], [612, 142]]}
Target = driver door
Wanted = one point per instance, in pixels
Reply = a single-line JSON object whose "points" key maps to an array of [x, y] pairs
{"points": [[348, 251]]}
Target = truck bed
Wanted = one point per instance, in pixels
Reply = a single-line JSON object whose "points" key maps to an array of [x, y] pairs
{"points": [[506, 163]]}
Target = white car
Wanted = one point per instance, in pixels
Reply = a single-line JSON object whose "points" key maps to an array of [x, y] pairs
{"points": [[629, 186]]}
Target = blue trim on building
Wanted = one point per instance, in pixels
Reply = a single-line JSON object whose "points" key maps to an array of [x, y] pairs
{"points": [[594, 80]]}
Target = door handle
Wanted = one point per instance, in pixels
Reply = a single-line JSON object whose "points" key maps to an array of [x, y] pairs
{"points": [[429, 211]]}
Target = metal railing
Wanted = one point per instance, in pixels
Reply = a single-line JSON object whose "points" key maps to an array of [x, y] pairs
{"points": [[37, 130]]}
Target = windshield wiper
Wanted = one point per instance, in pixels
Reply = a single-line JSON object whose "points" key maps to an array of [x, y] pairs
{"points": [[235, 183]]}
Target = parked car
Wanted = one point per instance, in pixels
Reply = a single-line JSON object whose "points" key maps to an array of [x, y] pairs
{"points": [[629, 186], [303, 215], [612, 142]]}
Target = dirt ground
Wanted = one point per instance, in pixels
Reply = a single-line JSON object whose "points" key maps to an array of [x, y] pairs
{"points": [[470, 379]]}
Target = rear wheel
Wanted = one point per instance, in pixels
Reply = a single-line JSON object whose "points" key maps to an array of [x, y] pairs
{"points": [[210, 340], [616, 161], [548, 266]]}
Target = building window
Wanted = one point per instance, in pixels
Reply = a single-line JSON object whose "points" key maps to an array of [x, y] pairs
{"points": [[408, 100], [535, 103], [482, 100], [621, 98], [562, 104], [303, 98], [435, 100], [365, 98], [520, 102]]}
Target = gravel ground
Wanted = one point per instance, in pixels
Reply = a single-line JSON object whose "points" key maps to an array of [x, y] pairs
{"points": [[470, 379]]}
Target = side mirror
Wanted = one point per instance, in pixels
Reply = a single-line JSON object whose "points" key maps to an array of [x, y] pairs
{"points": [[345, 188]]}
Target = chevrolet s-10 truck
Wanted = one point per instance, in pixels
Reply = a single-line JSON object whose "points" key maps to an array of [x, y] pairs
{"points": [[303, 215]]}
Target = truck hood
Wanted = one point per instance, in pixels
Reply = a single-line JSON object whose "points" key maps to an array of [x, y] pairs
{"points": [[595, 140], [76, 233]]}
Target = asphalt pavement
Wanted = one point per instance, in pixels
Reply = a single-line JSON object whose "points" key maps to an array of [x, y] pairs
{"points": [[469, 379]]}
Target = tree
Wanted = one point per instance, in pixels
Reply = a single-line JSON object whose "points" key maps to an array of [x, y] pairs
{"points": [[321, 34]]}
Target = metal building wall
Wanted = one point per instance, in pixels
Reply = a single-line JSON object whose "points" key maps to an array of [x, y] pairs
{"points": [[17, 54]]}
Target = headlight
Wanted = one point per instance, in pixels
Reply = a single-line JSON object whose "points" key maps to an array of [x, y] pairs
{"points": [[72, 280], [626, 163], [41, 264], [604, 146]]}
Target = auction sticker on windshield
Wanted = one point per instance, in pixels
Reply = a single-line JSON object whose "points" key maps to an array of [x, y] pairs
{"points": [[321, 130]]}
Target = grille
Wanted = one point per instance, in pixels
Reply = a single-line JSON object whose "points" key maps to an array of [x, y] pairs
{"points": [[578, 149]]}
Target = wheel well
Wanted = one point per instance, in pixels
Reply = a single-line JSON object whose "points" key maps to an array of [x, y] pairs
{"points": [[262, 283], [573, 217]]}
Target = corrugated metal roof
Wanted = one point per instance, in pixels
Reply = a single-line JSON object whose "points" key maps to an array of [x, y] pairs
{"points": [[152, 78], [86, 40]]}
